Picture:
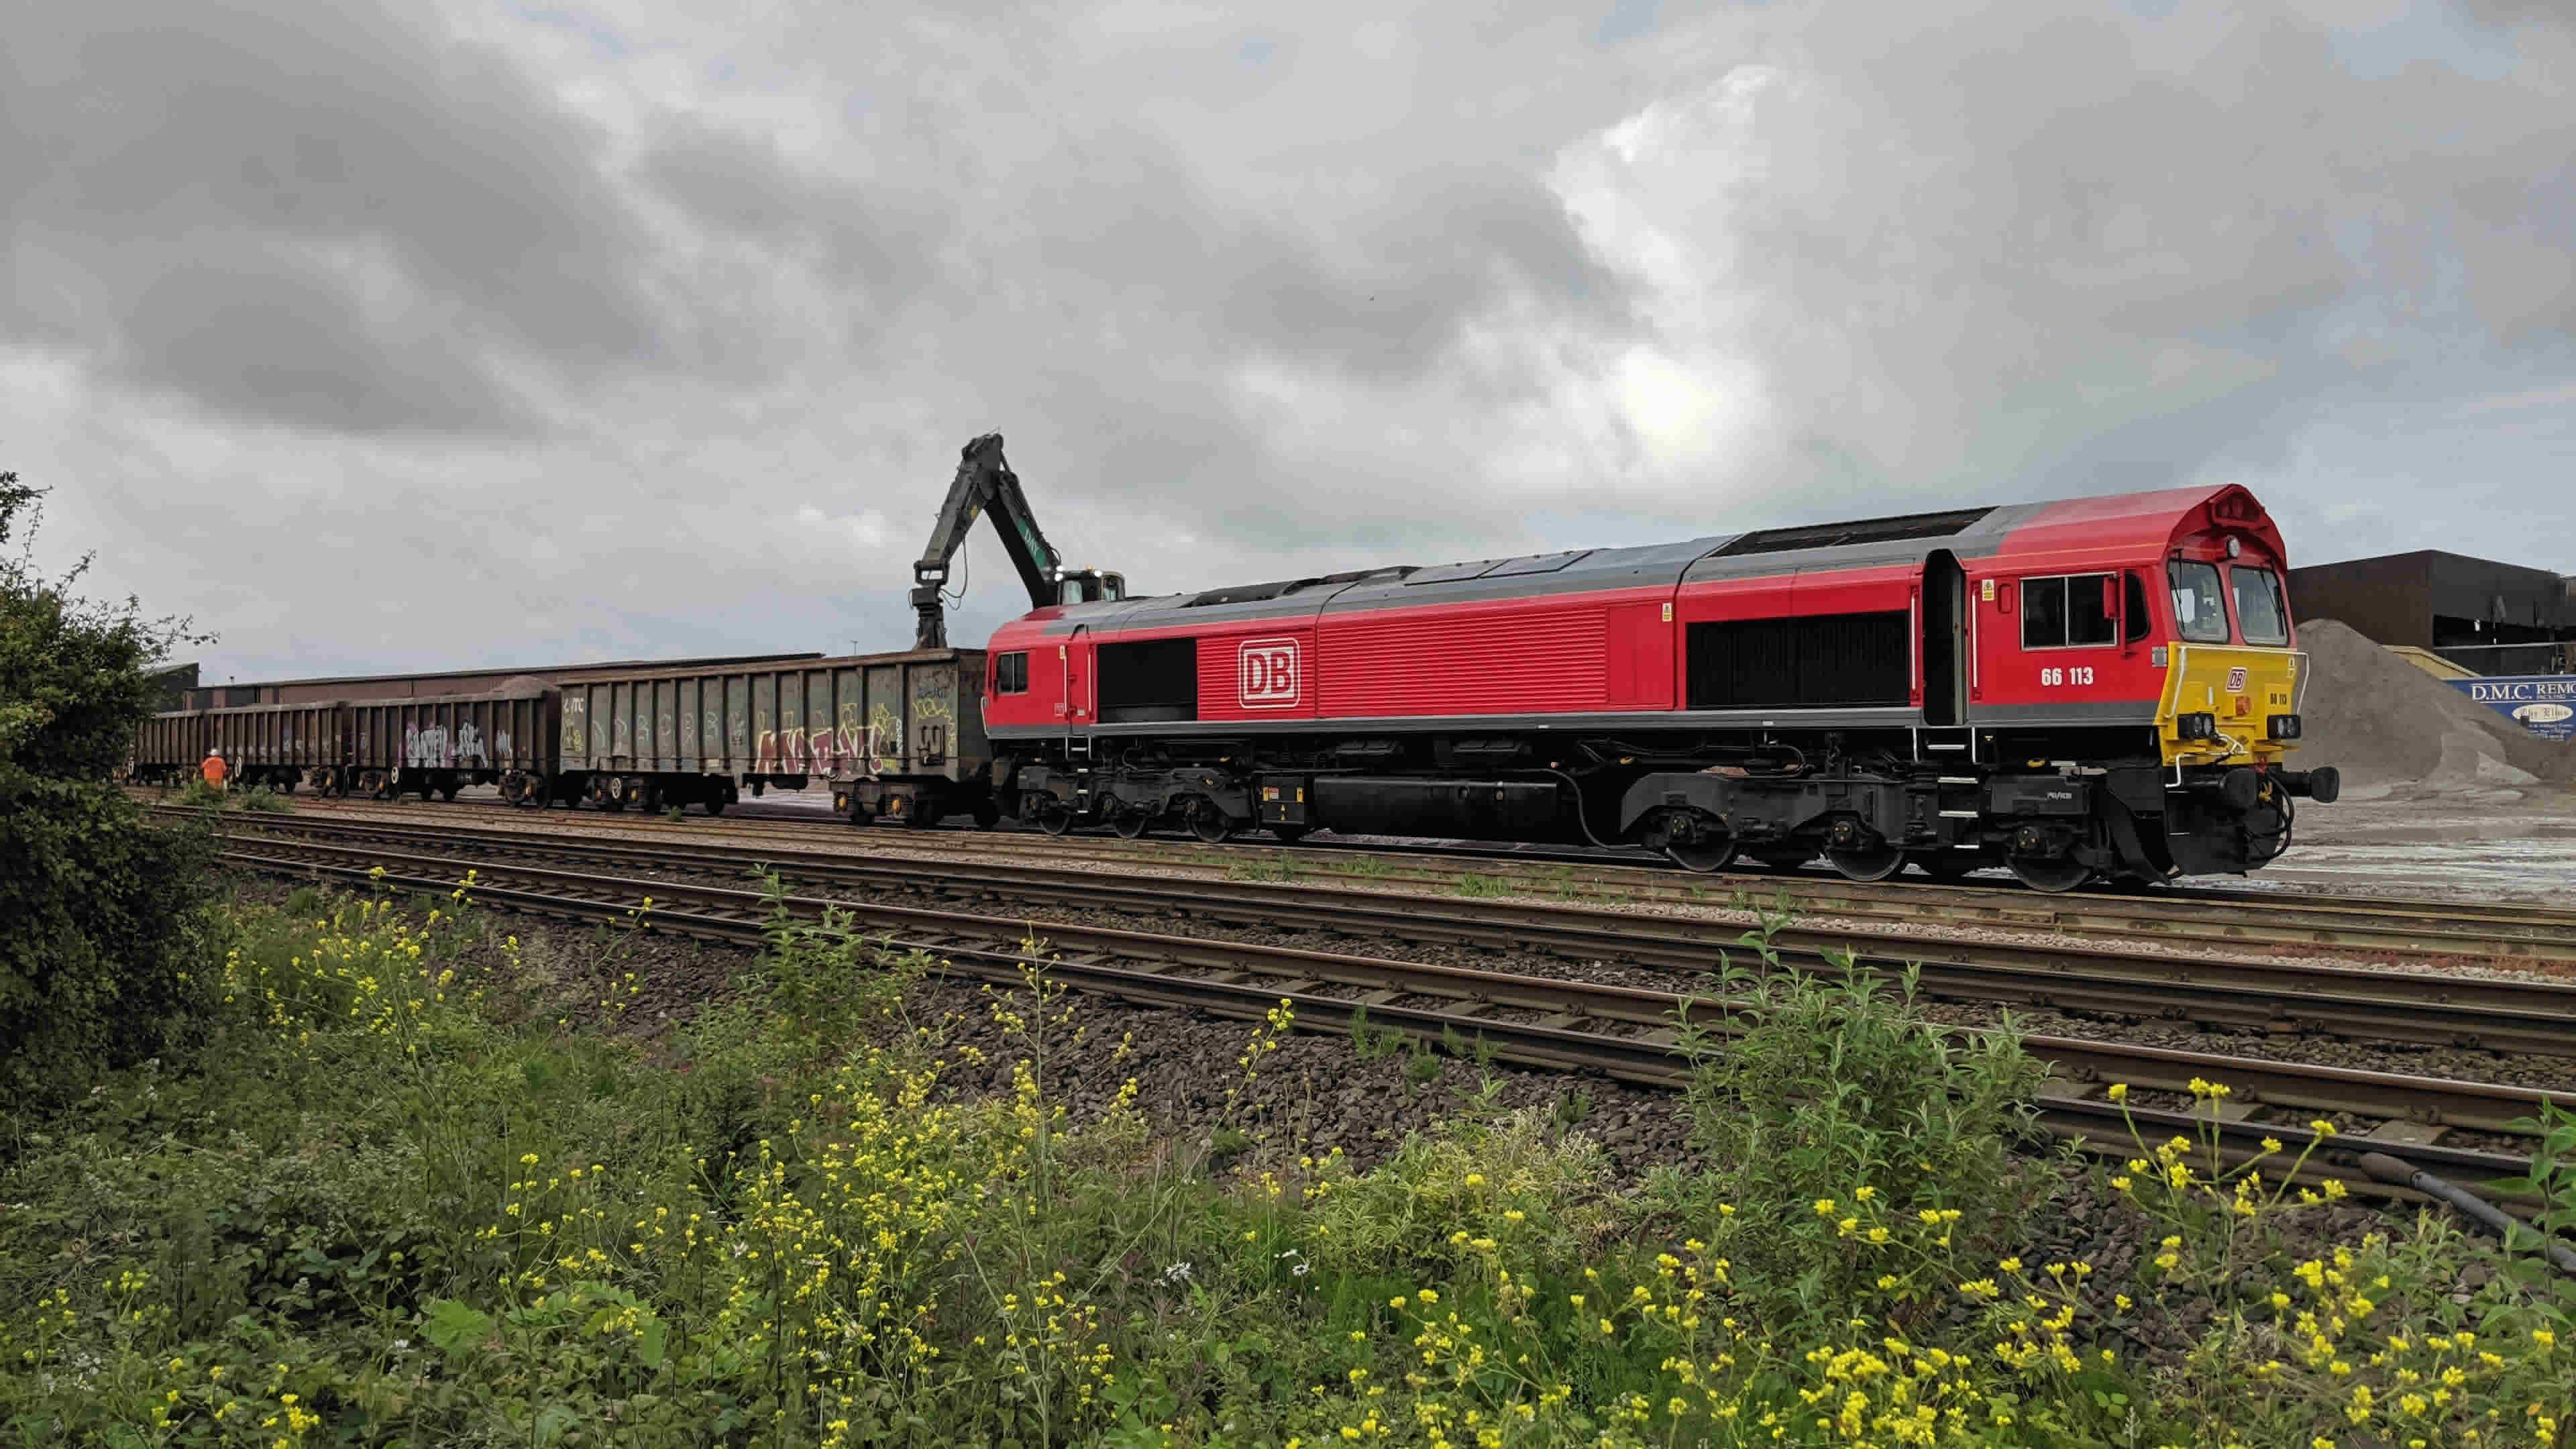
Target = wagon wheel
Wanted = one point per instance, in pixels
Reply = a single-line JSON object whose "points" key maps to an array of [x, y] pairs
{"points": [[445, 792], [1208, 823], [713, 804], [2050, 875], [1866, 862]]}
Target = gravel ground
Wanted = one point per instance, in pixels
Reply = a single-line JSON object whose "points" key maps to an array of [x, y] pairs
{"points": [[2436, 845]]}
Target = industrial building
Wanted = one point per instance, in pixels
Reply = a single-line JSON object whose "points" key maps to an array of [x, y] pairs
{"points": [[2487, 617]]}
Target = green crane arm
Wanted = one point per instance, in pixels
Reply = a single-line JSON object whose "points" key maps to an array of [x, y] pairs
{"points": [[984, 484]]}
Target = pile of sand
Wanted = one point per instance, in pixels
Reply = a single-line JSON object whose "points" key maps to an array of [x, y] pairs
{"points": [[2389, 726]]}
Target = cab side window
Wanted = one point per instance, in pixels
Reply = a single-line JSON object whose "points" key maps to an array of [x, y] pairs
{"points": [[2043, 613], [1011, 673], [2068, 612]]}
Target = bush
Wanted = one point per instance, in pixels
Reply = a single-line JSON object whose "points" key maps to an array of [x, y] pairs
{"points": [[256, 799], [1823, 1103], [95, 902]]}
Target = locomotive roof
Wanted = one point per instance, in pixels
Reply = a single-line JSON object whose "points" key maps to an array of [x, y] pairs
{"points": [[2061, 529]]}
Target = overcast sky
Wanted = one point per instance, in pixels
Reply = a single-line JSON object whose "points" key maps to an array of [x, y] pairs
{"points": [[459, 334]]}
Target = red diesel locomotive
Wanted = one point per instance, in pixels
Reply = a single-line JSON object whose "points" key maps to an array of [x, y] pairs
{"points": [[2100, 687]]}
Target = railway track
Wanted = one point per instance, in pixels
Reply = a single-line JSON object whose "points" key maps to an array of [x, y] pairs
{"points": [[2243, 919], [2512, 1014], [1624, 1032]]}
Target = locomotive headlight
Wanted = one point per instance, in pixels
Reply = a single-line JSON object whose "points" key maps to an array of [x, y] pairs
{"points": [[2202, 726], [2282, 726]]}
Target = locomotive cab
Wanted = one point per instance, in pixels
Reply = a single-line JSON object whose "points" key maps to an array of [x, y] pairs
{"points": [[2181, 626]]}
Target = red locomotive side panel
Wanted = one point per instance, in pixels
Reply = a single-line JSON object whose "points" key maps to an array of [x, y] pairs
{"points": [[1640, 655], [1258, 671], [1504, 657], [2037, 662]]}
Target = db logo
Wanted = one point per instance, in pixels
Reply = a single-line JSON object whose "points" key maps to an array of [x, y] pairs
{"points": [[1267, 674], [2236, 679]]}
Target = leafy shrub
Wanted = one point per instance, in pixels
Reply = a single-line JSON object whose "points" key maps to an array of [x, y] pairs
{"points": [[95, 902], [259, 799], [1812, 1094]]}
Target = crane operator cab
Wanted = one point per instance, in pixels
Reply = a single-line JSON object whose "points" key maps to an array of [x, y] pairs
{"points": [[1089, 586]]}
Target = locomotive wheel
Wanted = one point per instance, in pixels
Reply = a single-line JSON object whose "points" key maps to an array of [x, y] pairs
{"points": [[1867, 863], [1697, 842], [1208, 823], [1055, 819], [2051, 875], [1132, 822], [1703, 856], [987, 814]]}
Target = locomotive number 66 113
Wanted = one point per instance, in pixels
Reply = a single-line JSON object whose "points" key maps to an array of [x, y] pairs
{"points": [[2073, 674]]}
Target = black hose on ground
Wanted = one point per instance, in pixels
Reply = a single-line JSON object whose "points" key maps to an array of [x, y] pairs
{"points": [[2477, 1209]]}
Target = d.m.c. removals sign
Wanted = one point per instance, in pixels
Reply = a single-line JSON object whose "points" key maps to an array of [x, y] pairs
{"points": [[2544, 704]]}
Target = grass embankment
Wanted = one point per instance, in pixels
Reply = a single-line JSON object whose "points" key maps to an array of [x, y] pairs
{"points": [[420, 1190]]}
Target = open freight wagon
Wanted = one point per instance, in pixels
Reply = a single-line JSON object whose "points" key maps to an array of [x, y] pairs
{"points": [[383, 748], [897, 736], [279, 746], [441, 744]]}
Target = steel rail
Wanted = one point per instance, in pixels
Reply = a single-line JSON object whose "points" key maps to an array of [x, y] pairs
{"points": [[1625, 1032], [2471, 930], [2502, 1014]]}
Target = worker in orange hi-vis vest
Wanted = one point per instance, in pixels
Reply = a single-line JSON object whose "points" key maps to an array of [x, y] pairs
{"points": [[214, 768]]}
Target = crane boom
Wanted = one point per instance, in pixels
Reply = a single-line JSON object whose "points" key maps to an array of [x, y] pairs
{"points": [[986, 484]]}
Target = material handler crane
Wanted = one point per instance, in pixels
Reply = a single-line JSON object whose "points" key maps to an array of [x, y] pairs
{"points": [[985, 483]]}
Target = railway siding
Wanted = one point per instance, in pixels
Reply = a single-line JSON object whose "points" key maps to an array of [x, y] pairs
{"points": [[2281, 923], [2495, 1013]]}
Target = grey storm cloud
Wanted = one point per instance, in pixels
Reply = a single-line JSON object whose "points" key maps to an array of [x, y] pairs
{"points": [[627, 329], [318, 215]]}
